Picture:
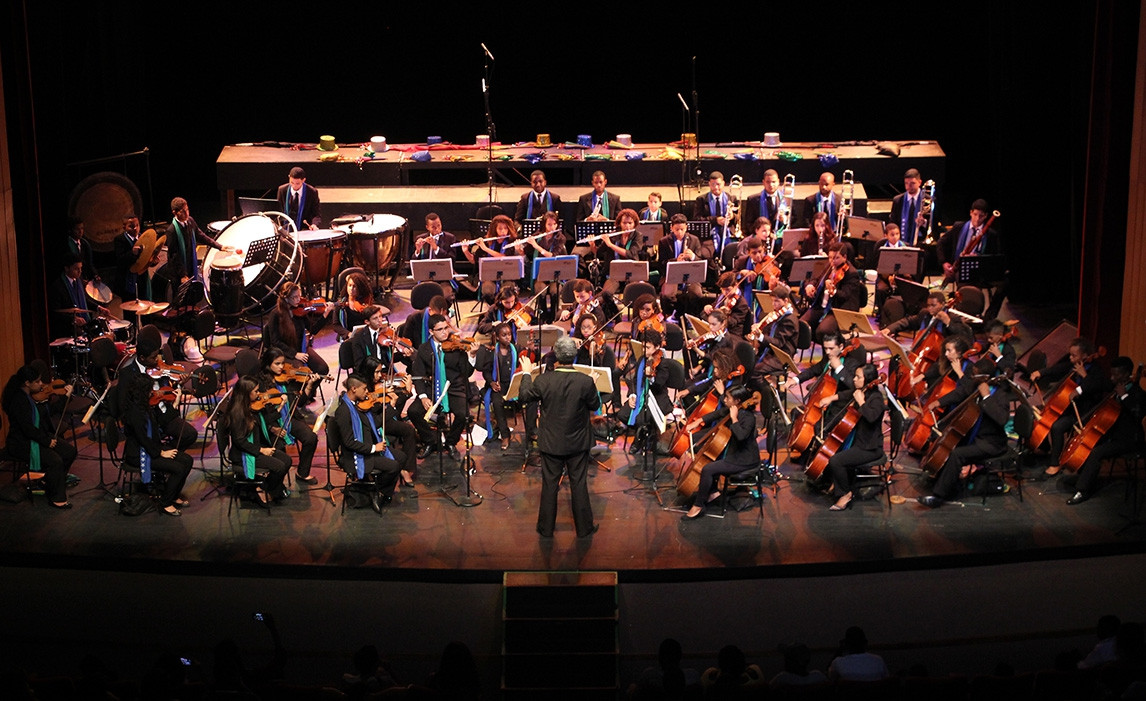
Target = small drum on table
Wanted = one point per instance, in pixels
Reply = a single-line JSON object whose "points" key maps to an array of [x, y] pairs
{"points": [[265, 257], [376, 246], [322, 251], [68, 355]]}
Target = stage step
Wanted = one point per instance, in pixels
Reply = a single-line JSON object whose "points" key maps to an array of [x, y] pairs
{"points": [[559, 635]]}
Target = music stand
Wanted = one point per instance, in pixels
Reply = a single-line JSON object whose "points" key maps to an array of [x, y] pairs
{"points": [[624, 271], [684, 272], [900, 261], [255, 205], [478, 228], [792, 240], [806, 269], [856, 321], [913, 294], [865, 228], [702, 229], [784, 358], [432, 270], [496, 270], [650, 233], [529, 227], [980, 271], [763, 298], [865, 251], [555, 269], [584, 229]]}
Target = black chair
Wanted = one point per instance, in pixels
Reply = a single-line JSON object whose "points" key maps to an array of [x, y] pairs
{"points": [[880, 470], [21, 470], [804, 338], [246, 362], [367, 484], [971, 301], [345, 361], [202, 389], [239, 485], [1009, 464], [423, 292], [674, 338], [340, 286]]}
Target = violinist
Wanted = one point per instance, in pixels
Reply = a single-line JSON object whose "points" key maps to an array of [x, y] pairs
{"points": [[779, 328], [679, 246], [388, 410], [867, 436], [1123, 436], [144, 446], [595, 351], [416, 328], [649, 384], [353, 303], [842, 287], [435, 243], [733, 304], [718, 337], [583, 303], [374, 340], [726, 372], [146, 363], [250, 444], [841, 367], [990, 438], [742, 453], [507, 306], [362, 449], [31, 437], [649, 316], [756, 273], [1079, 364], [281, 420], [435, 364], [293, 333], [498, 365]]}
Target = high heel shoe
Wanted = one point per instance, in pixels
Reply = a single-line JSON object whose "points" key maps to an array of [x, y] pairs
{"points": [[687, 517], [846, 505]]}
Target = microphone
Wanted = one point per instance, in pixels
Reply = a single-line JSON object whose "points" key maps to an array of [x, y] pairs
{"points": [[682, 101]]}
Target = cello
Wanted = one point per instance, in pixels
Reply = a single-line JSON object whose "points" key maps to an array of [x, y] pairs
{"points": [[1057, 402], [1097, 423], [707, 404], [919, 433], [838, 435], [926, 348], [955, 427], [803, 428], [711, 449]]}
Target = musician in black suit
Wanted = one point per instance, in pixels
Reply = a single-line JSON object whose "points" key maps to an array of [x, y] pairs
{"points": [[416, 328], [842, 367], [498, 364], [434, 366], [145, 449], [767, 202], [823, 201], [30, 434], [742, 452], [990, 439], [968, 237], [715, 206], [567, 399], [300, 201], [1121, 438], [145, 364], [365, 342], [841, 288], [781, 330], [934, 315], [67, 291], [435, 243], [679, 246], [906, 209], [867, 436], [130, 285], [600, 204], [363, 451], [81, 247], [183, 234], [538, 200]]}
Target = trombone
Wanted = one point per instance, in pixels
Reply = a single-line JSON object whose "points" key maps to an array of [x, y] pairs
{"points": [[784, 209], [927, 208], [847, 201], [736, 182]]}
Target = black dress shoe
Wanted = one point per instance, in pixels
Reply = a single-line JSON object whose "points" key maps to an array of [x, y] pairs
{"points": [[425, 452], [308, 479], [454, 454], [931, 501], [594, 529], [1078, 498], [376, 502]]}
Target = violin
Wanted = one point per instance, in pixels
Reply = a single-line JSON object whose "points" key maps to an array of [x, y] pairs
{"points": [[163, 369], [292, 373], [380, 395], [161, 395], [50, 389], [310, 306], [694, 342], [271, 397], [521, 315], [389, 337], [456, 343], [655, 322]]}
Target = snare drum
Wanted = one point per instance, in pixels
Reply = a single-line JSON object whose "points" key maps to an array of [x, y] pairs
{"points": [[278, 254], [97, 327], [121, 330], [375, 243], [322, 253], [64, 354]]}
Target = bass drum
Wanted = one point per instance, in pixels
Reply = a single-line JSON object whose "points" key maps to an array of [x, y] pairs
{"points": [[258, 238]]}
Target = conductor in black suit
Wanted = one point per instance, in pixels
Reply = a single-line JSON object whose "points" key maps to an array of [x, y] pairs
{"points": [[568, 399], [300, 201]]}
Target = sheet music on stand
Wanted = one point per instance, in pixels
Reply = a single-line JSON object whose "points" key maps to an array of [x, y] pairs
{"points": [[260, 251], [629, 270], [685, 272], [432, 269], [792, 239], [584, 229], [479, 228], [900, 261], [602, 376], [555, 268], [702, 229], [980, 271], [657, 414], [513, 392], [529, 227], [807, 270]]}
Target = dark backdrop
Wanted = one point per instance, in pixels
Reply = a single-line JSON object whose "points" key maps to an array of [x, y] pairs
{"points": [[1003, 87]]}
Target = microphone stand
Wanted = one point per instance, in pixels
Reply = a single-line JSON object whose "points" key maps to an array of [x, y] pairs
{"points": [[490, 127]]}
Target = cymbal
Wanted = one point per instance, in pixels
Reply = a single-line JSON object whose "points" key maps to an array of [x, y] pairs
{"points": [[148, 244], [142, 306], [98, 291], [71, 310]]}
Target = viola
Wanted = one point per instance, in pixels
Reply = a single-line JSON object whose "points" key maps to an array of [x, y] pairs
{"points": [[711, 449], [839, 434]]}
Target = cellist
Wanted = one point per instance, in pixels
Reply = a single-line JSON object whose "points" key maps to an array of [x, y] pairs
{"points": [[987, 439], [1121, 438], [867, 436], [742, 453], [1092, 387], [833, 362], [933, 308]]}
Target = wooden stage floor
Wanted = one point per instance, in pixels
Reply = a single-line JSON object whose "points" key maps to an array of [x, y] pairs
{"points": [[431, 538]]}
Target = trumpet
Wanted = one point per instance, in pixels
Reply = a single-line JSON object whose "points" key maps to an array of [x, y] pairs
{"points": [[847, 201], [927, 208], [735, 183], [784, 209]]}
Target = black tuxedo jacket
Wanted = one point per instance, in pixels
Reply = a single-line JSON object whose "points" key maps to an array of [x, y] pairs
{"points": [[585, 205], [912, 234], [810, 208], [311, 207], [458, 371], [523, 212]]}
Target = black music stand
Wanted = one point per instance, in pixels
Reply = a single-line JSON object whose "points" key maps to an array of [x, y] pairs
{"points": [[807, 269], [900, 261], [683, 273], [792, 240], [530, 227], [552, 272], [584, 229], [439, 270], [650, 233], [980, 271]]}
